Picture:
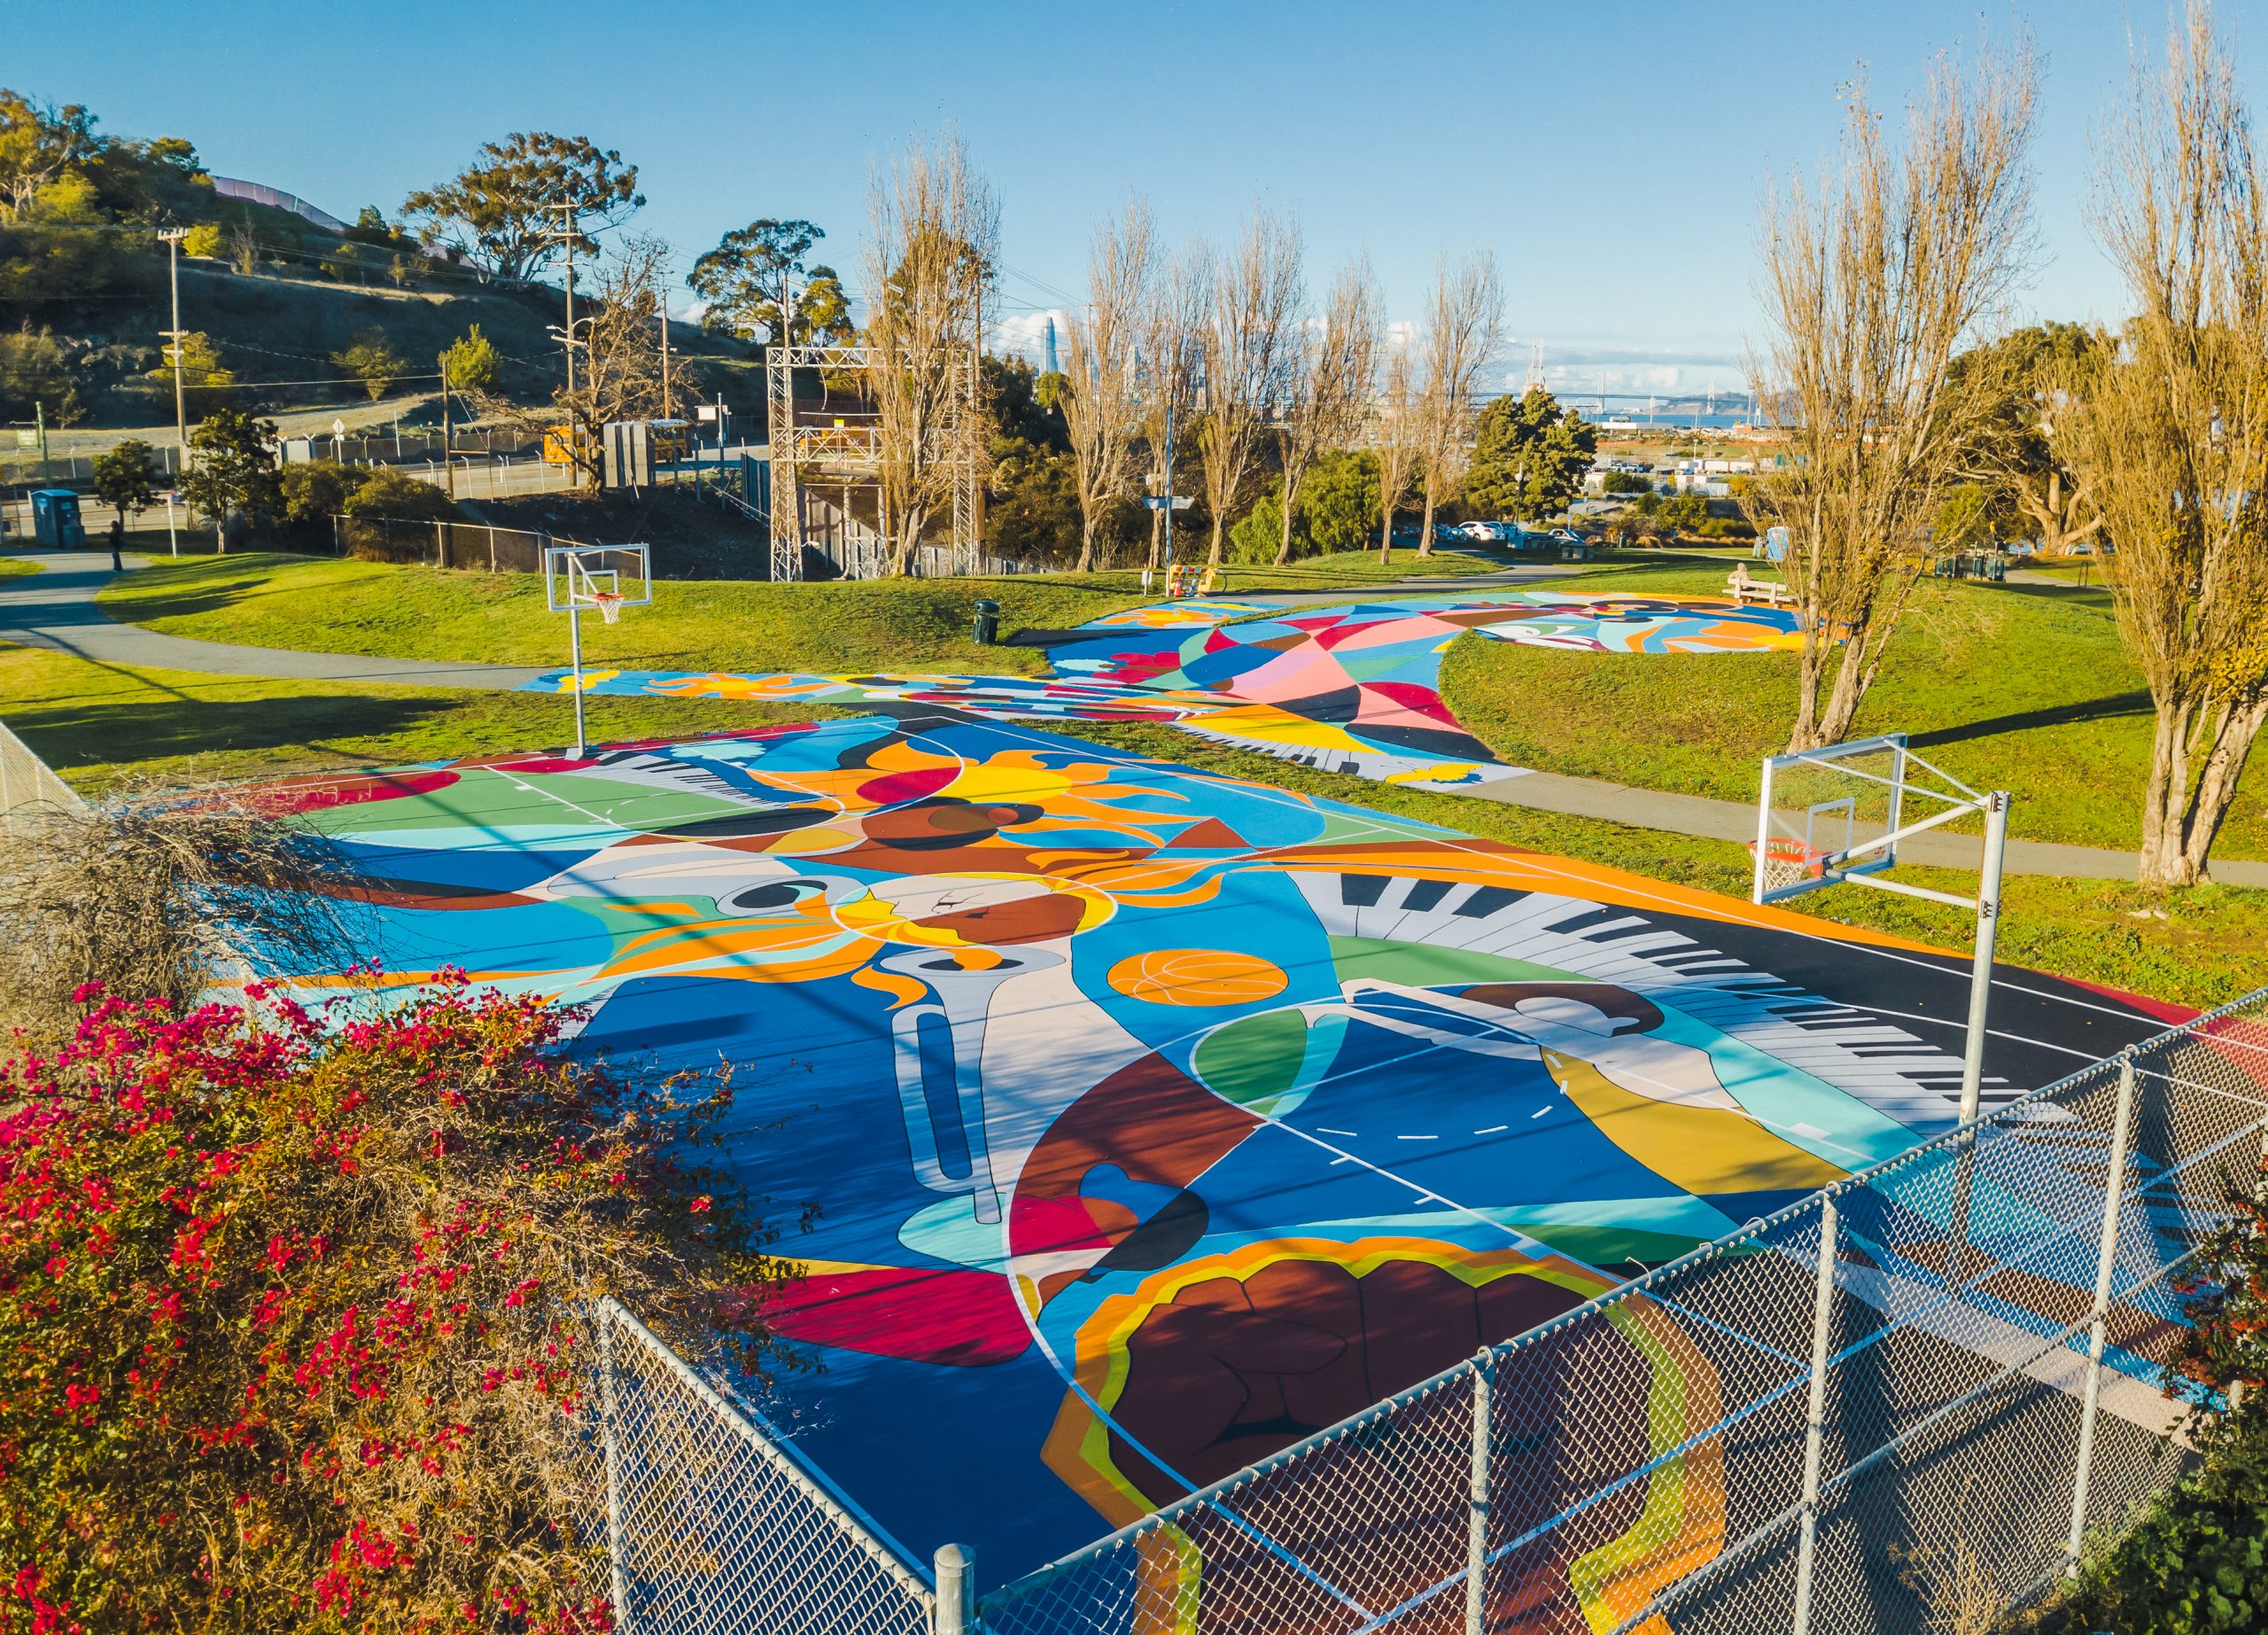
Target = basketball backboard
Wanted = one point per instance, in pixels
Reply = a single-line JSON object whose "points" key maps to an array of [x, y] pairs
{"points": [[580, 578]]}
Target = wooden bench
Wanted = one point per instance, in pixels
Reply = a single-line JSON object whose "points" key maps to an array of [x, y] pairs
{"points": [[1744, 589]]}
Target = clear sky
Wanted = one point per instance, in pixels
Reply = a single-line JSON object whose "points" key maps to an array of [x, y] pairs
{"points": [[1610, 154]]}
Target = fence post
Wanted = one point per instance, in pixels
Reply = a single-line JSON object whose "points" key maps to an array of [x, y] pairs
{"points": [[1476, 1542], [491, 548], [441, 545], [338, 545], [2114, 1195], [956, 1566], [1816, 1418], [611, 1411]]}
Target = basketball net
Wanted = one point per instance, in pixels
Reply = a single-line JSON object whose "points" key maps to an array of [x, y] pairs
{"points": [[1787, 861], [609, 603]]}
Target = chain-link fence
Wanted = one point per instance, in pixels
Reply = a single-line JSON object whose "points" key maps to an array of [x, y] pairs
{"points": [[1920, 1390], [1916, 1395], [716, 1528], [474, 545], [29, 788]]}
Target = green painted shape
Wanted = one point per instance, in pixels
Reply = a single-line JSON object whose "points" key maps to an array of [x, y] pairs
{"points": [[482, 799], [1609, 1248], [1254, 1059], [1420, 965]]}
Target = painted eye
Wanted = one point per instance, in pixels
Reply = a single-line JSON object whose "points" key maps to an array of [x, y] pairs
{"points": [[772, 894]]}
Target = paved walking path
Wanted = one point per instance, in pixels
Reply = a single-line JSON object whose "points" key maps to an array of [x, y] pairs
{"points": [[55, 609]]}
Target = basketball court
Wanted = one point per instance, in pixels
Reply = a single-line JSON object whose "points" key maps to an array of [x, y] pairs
{"points": [[1154, 1119]]}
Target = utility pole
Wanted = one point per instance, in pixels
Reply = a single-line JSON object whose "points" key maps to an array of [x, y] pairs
{"points": [[39, 419], [669, 401], [173, 235], [449, 464]]}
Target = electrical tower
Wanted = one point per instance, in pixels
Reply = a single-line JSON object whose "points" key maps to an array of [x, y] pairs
{"points": [[1535, 366]]}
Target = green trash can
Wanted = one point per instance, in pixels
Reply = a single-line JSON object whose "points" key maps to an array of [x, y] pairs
{"points": [[986, 625]]}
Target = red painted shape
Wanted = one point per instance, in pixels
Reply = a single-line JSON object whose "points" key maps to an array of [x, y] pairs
{"points": [[2171, 1014], [894, 787], [322, 794], [1417, 700], [948, 1316]]}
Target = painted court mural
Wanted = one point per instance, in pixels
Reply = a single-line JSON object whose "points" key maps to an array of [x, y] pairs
{"points": [[1347, 689], [1157, 1119]]}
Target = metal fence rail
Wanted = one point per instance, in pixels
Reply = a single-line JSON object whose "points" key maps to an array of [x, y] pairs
{"points": [[1930, 1385], [714, 1528], [476, 545], [29, 788]]}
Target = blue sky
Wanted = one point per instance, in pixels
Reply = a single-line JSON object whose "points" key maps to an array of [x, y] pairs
{"points": [[1611, 155]]}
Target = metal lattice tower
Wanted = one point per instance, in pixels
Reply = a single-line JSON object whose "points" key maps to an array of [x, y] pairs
{"points": [[844, 451]]}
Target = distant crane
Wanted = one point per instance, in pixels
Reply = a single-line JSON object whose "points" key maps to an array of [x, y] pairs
{"points": [[1535, 366]]}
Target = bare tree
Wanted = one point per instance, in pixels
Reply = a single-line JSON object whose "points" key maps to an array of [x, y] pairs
{"points": [[618, 353], [1870, 281], [1467, 307], [931, 258], [1171, 354], [1397, 437], [1256, 292], [1326, 383], [2171, 437], [1100, 397]]}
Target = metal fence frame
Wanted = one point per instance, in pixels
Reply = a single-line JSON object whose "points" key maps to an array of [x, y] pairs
{"points": [[1305, 1539], [715, 1534], [1887, 1398]]}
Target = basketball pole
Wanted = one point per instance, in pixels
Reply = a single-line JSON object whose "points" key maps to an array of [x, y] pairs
{"points": [[1988, 927], [1972, 1062], [575, 658]]}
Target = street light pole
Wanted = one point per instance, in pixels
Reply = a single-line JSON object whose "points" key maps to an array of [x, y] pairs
{"points": [[173, 235]]}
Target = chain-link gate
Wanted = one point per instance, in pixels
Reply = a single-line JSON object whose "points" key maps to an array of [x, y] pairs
{"points": [[715, 1528]]}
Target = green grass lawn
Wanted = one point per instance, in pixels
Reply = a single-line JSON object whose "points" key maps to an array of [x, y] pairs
{"points": [[272, 600], [100, 726], [2019, 687], [329, 605], [2201, 947]]}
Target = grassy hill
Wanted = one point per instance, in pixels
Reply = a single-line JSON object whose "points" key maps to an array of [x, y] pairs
{"points": [[95, 299], [2017, 686]]}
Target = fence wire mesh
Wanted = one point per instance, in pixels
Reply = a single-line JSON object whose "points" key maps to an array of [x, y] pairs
{"points": [[1869, 1412], [714, 1528], [29, 788]]}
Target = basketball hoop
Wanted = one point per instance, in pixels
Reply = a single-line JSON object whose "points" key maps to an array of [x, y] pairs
{"points": [[1787, 861], [609, 603]]}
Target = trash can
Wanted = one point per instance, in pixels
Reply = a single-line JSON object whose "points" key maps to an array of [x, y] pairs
{"points": [[986, 625]]}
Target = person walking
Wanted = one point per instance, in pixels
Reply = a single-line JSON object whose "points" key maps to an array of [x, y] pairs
{"points": [[117, 543]]}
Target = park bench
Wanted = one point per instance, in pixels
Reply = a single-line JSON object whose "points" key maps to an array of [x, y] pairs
{"points": [[1768, 593]]}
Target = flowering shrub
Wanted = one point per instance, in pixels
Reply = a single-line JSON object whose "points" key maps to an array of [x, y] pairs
{"points": [[291, 1330], [2196, 1561]]}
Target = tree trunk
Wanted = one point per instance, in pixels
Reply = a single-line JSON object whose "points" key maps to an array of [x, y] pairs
{"points": [[1157, 540], [1086, 543], [1291, 499], [1426, 533], [2161, 861], [1386, 531], [2234, 734], [1220, 527]]}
